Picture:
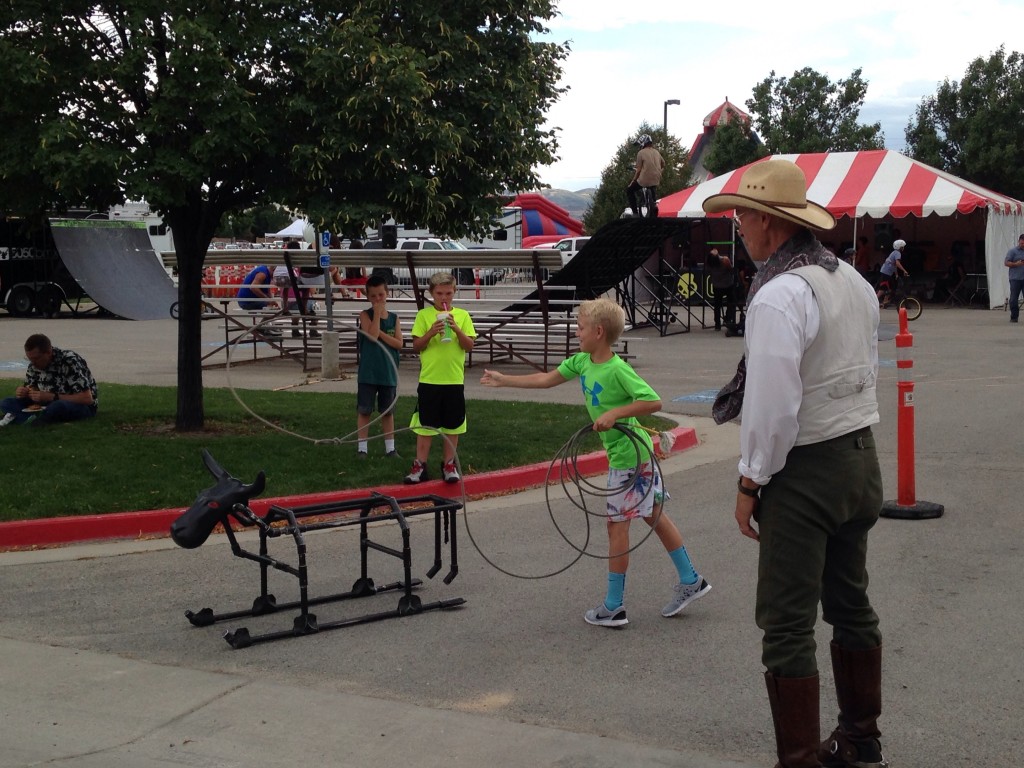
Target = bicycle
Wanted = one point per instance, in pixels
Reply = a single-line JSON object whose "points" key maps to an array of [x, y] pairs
{"points": [[643, 199], [898, 297]]}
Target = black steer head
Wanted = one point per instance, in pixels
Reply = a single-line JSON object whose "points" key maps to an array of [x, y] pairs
{"points": [[213, 505]]}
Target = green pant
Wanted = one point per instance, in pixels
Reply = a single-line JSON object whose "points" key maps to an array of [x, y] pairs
{"points": [[814, 519]]}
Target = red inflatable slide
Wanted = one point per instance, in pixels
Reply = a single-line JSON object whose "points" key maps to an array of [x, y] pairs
{"points": [[544, 221]]}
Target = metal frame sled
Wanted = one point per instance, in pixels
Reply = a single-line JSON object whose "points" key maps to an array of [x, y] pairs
{"points": [[229, 499]]}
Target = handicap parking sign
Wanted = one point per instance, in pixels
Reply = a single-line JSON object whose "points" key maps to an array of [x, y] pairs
{"points": [[325, 260]]}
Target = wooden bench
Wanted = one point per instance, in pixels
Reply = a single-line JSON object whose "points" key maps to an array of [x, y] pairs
{"points": [[244, 328], [540, 333], [539, 262], [501, 336]]}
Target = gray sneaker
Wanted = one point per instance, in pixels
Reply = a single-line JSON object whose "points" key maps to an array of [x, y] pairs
{"points": [[602, 617], [683, 595]]}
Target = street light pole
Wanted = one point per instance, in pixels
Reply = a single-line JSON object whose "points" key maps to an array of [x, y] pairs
{"points": [[664, 122]]}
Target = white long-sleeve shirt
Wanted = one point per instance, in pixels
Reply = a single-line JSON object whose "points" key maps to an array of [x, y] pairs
{"points": [[782, 322]]}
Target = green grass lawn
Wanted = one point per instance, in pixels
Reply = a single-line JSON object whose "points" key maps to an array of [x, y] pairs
{"points": [[129, 457]]}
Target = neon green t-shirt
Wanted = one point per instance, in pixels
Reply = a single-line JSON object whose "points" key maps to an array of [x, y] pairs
{"points": [[606, 386], [442, 362]]}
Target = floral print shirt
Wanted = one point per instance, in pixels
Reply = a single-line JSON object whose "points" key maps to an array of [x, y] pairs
{"points": [[67, 374]]}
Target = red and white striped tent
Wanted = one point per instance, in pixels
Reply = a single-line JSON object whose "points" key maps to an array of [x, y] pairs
{"points": [[885, 184]]}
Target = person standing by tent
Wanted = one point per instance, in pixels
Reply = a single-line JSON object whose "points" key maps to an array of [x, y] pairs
{"points": [[1015, 261], [808, 472], [647, 176], [723, 286], [862, 257]]}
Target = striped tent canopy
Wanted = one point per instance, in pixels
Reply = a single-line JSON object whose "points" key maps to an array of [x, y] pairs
{"points": [[876, 183]]}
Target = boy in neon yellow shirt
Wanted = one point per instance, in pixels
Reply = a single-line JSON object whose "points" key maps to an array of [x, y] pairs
{"points": [[442, 335], [614, 393]]}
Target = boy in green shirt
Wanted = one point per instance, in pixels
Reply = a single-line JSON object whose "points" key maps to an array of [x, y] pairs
{"points": [[442, 335], [613, 392]]}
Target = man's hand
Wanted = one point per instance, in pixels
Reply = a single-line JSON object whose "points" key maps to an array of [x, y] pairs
{"points": [[746, 506], [604, 422]]}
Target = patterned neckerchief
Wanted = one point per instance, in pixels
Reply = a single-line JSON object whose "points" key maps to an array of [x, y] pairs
{"points": [[801, 250]]}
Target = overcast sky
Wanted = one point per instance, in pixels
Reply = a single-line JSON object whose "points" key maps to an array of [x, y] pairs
{"points": [[628, 58]]}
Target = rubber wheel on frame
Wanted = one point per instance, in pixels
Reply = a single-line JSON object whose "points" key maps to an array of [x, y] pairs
{"points": [[913, 307], [48, 300], [22, 301]]}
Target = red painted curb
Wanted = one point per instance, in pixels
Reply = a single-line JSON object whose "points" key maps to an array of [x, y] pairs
{"points": [[51, 531]]}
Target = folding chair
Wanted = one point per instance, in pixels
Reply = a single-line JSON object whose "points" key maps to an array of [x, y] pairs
{"points": [[956, 294]]}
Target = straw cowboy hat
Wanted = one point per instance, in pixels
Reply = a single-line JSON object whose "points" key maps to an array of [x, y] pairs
{"points": [[777, 187]]}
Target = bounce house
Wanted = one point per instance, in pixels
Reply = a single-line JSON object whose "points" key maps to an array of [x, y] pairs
{"points": [[544, 222]]}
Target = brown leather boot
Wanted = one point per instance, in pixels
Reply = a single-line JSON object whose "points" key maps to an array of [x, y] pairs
{"points": [[854, 744], [794, 703]]}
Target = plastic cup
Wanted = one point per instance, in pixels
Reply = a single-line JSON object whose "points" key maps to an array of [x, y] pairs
{"points": [[444, 317]]}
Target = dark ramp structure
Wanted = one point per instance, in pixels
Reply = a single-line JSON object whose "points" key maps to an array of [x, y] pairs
{"points": [[116, 266], [638, 258]]}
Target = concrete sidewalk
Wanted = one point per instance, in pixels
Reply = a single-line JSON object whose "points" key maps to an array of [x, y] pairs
{"points": [[101, 667], [70, 707]]}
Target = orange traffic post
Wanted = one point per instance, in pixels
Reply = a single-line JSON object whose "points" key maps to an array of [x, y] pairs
{"points": [[906, 506]]}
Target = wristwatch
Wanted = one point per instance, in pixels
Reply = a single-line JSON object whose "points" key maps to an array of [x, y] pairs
{"points": [[754, 493]]}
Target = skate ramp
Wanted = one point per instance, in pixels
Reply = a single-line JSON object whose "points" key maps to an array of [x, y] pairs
{"points": [[613, 254], [115, 264]]}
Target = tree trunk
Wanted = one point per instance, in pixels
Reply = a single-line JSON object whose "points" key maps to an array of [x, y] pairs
{"points": [[190, 413], [192, 226]]}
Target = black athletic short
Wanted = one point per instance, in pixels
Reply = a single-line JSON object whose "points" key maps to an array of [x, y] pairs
{"points": [[442, 406]]}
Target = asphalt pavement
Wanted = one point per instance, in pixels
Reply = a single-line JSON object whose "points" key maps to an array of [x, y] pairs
{"points": [[101, 667]]}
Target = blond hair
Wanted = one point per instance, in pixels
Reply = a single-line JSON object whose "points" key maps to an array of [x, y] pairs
{"points": [[441, 278], [607, 314]]}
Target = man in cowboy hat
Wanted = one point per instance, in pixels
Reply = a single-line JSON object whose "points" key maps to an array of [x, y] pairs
{"points": [[809, 475]]}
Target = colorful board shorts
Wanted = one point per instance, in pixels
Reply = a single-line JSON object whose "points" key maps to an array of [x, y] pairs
{"points": [[642, 489]]}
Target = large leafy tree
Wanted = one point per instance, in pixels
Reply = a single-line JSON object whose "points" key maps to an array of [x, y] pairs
{"points": [[733, 146], [973, 128], [610, 200], [809, 113], [346, 110]]}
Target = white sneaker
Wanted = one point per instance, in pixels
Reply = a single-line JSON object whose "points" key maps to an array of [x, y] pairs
{"points": [[602, 617], [451, 474], [7, 419], [418, 473], [683, 595]]}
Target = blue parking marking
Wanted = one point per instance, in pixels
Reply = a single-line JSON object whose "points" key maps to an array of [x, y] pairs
{"points": [[704, 396]]}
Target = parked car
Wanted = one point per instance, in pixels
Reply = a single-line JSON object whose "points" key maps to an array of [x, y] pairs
{"points": [[488, 276], [570, 246]]}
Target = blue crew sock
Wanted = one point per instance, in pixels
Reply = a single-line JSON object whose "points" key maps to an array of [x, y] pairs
{"points": [[681, 561], [616, 586]]}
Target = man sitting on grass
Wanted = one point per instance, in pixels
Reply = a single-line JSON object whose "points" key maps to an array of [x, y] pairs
{"points": [[58, 387]]}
